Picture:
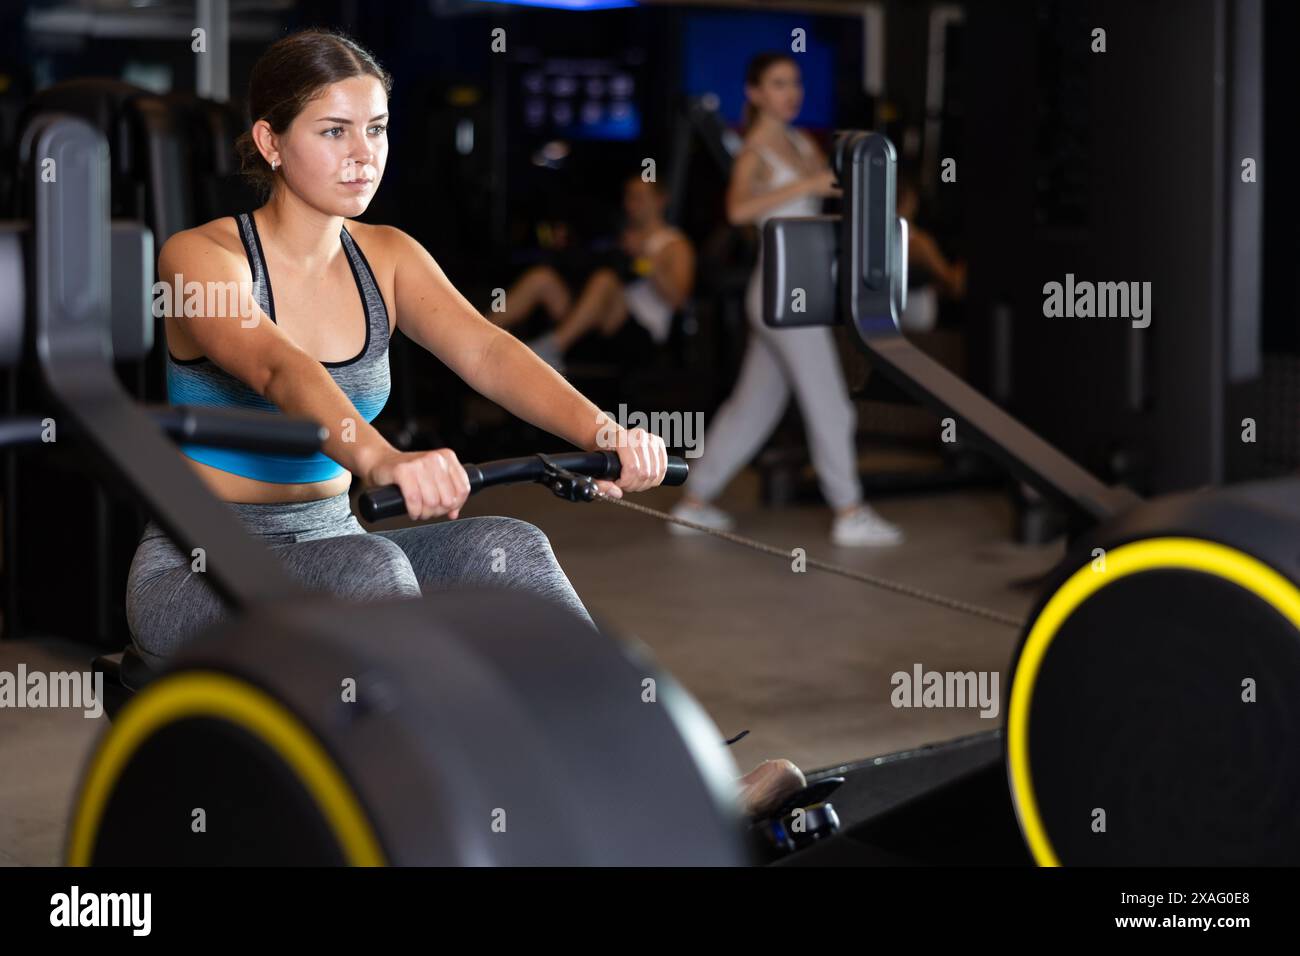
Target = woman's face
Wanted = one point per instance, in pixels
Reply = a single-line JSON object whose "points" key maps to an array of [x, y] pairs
{"points": [[779, 91], [334, 152], [641, 202]]}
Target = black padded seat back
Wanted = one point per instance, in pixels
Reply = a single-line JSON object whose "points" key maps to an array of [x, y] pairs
{"points": [[100, 101], [211, 130], [13, 303], [163, 156], [150, 158]]}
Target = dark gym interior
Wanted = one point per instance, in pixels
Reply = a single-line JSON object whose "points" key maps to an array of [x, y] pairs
{"points": [[1030, 146]]}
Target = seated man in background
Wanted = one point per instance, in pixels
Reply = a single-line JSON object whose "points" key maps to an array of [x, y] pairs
{"points": [[632, 316]]}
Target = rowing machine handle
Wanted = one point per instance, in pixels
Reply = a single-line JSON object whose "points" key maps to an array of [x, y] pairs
{"points": [[387, 501], [238, 428]]}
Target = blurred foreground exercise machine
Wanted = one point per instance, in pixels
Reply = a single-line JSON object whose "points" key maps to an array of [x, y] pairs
{"points": [[1153, 706]]}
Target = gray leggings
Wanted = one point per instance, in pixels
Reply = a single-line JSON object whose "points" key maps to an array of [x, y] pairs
{"points": [[322, 544], [777, 362]]}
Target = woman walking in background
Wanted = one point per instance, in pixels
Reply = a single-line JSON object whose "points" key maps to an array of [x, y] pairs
{"points": [[780, 171]]}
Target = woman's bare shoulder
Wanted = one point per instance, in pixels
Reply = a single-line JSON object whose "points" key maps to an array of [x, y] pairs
{"points": [[218, 234], [756, 142], [368, 230], [380, 243], [752, 155]]}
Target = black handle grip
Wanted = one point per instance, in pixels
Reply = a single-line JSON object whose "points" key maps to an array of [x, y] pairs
{"points": [[384, 502], [678, 471], [387, 501], [21, 431], [238, 428]]}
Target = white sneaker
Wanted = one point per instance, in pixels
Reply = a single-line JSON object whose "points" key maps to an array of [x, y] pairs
{"points": [[863, 528], [707, 515]]}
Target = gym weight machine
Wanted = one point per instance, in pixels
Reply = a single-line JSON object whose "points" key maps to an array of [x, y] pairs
{"points": [[471, 738], [1151, 688], [1151, 711]]}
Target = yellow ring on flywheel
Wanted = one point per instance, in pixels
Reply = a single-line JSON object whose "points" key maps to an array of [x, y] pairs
{"points": [[1152, 554], [210, 694]]}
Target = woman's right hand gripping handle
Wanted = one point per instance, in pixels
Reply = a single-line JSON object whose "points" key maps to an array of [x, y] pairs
{"points": [[433, 483]]}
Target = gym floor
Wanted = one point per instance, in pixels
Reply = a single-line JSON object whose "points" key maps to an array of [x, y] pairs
{"points": [[802, 661]]}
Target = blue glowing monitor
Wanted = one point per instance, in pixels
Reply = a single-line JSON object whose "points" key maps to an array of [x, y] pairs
{"points": [[596, 98], [717, 46], [567, 4]]}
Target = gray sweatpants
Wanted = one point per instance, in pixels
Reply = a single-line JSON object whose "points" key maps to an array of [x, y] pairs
{"points": [[776, 362], [323, 545]]}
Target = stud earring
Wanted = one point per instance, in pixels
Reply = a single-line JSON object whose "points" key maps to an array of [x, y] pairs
{"points": [[274, 164]]}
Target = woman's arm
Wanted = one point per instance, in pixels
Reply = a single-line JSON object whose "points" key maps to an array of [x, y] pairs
{"points": [[256, 351], [923, 249], [745, 203], [433, 314], [813, 148], [674, 274]]}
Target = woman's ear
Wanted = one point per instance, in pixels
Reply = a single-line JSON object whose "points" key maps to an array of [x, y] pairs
{"points": [[266, 140]]}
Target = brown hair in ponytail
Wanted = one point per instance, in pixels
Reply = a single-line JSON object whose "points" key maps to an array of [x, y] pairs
{"points": [[754, 72], [290, 74]]}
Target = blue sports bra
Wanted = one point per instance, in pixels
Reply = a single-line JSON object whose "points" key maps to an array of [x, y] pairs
{"points": [[364, 379]]}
